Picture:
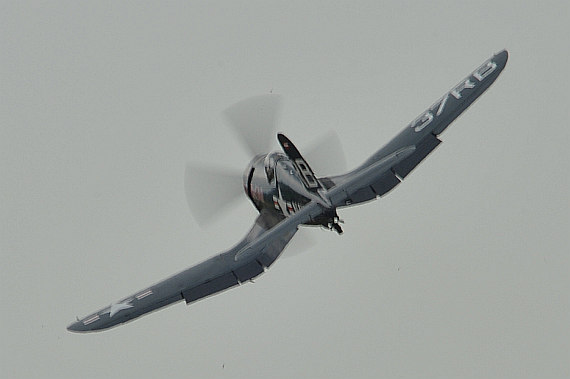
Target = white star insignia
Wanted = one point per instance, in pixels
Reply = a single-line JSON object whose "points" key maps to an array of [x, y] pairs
{"points": [[117, 307]]}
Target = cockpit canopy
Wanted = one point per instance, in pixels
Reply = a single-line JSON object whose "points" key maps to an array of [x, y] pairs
{"points": [[270, 162]]}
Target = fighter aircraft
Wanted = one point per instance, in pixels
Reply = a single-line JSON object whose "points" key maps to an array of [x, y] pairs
{"points": [[288, 193]]}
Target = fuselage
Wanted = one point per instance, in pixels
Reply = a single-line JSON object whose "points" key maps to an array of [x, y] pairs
{"points": [[273, 182]]}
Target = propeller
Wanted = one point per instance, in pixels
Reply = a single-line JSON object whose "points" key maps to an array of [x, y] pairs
{"points": [[209, 190], [254, 120], [325, 155]]}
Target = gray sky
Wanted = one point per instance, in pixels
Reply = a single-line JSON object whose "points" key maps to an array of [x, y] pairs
{"points": [[461, 272]]}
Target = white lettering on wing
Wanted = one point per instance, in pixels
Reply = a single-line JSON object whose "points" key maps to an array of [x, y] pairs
{"points": [[426, 118]]}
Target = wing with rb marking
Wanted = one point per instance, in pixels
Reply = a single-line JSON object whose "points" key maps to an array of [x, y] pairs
{"points": [[388, 166], [265, 242]]}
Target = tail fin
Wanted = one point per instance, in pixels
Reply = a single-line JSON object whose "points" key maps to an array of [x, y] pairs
{"points": [[311, 181]]}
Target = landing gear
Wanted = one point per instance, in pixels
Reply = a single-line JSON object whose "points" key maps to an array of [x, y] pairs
{"points": [[337, 228], [330, 221], [333, 224]]}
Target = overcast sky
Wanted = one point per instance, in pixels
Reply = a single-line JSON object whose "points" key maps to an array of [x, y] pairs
{"points": [[461, 272]]}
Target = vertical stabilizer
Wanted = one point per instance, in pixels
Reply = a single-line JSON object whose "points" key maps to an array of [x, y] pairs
{"points": [[309, 178]]}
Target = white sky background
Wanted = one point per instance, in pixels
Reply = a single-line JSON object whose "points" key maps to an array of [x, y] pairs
{"points": [[461, 272]]}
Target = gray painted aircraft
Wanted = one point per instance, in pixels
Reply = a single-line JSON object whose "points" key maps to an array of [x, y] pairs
{"points": [[287, 194]]}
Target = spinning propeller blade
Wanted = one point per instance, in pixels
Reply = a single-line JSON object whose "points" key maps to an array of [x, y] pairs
{"points": [[211, 190], [326, 156], [254, 120]]}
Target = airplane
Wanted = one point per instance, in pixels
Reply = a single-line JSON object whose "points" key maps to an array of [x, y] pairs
{"points": [[288, 193]]}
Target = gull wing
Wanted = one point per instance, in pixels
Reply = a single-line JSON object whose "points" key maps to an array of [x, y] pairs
{"points": [[386, 168], [259, 249]]}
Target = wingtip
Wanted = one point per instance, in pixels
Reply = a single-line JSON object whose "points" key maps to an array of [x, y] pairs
{"points": [[74, 328], [502, 57]]}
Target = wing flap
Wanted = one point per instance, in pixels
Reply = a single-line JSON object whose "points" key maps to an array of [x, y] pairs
{"points": [[209, 288], [356, 184], [423, 148], [239, 275], [385, 183], [249, 271]]}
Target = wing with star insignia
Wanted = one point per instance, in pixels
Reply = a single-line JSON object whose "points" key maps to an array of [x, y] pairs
{"points": [[245, 261]]}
